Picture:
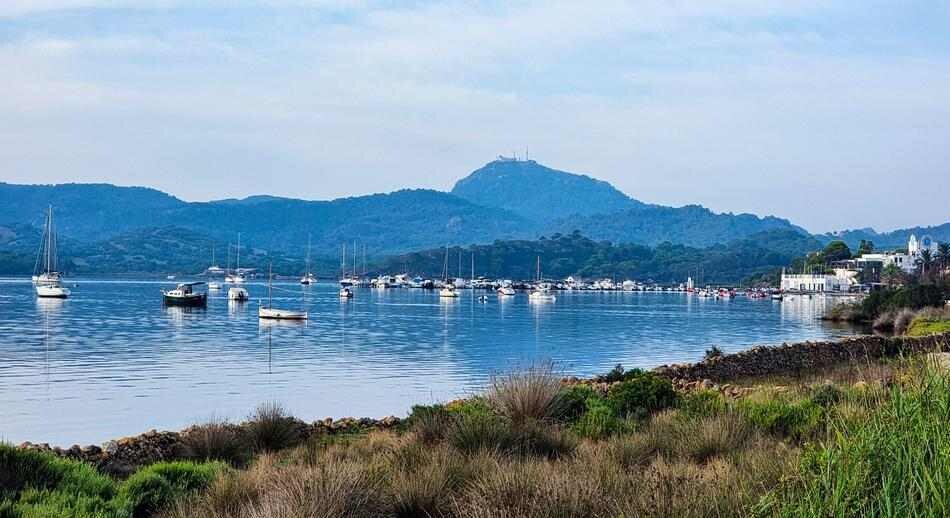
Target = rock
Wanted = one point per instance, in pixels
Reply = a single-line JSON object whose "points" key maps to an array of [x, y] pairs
{"points": [[389, 421], [706, 384]]}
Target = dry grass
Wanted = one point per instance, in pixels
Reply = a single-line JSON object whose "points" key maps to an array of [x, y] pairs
{"points": [[216, 439], [532, 394], [272, 428]]}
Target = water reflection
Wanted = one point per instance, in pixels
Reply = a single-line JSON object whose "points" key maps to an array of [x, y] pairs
{"points": [[115, 362]]}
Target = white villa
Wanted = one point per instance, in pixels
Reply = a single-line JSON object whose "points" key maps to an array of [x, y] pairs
{"points": [[840, 282]]}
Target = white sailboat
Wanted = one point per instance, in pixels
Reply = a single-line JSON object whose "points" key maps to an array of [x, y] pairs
{"points": [[236, 277], [272, 313], [542, 290], [49, 279], [448, 288], [308, 278]]}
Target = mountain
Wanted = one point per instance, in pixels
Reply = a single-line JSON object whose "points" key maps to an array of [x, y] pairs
{"points": [[653, 224], [540, 193], [384, 223], [886, 240], [578, 255], [84, 211]]}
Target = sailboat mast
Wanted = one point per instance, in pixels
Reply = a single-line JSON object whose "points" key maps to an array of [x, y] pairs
{"points": [[270, 285], [49, 237], [473, 267], [308, 253], [539, 268], [343, 267], [238, 267]]}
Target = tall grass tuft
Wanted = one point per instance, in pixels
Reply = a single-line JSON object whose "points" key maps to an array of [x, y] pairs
{"points": [[272, 428], [532, 394], [216, 439]]}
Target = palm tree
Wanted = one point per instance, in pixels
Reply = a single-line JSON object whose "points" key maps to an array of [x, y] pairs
{"points": [[943, 255], [925, 261]]}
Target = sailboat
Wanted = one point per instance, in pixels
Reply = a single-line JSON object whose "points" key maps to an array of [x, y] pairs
{"points": [[49, 280], [542, 291], [269, 312], [236, 277], [308, 278], [448, 288]]}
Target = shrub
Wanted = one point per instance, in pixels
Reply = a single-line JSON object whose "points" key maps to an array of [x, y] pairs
{"points": [[613, 375], [538, 439], [271, 428], [22, 469], [475, 433], [216, 439], [527, 395], [702, 403], [716, 435], [430, 423], [38, 484], [713, 352], [902, 320], [826, 395], [574, 403], [598, 423], [797, 420], [424, 489], [158, 485], [641, 395]]}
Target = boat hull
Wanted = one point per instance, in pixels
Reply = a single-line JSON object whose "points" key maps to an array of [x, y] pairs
{"points": [[280, 314], [198, 300], [52, 292]]}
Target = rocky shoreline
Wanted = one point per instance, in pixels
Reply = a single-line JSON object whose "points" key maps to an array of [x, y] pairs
{"points": [[123, 456]]}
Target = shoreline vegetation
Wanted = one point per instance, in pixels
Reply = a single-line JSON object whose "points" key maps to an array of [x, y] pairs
{"points": [[914, 309], [847, 428]]}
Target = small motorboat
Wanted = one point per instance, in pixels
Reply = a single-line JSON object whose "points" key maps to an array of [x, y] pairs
{"points": [[238, 294], [776, 296], [506, 291], [543, 293], [346, 293], [308, 279], [280, 314], [185, 295], [448, 292], [214, 286]]}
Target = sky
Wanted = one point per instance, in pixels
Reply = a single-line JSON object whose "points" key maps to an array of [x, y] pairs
{"points": [[832, 114]]}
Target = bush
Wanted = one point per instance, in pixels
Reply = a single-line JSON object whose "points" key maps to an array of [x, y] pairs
{"points": [[216, 439], [538, 439], [641, 395], [902, 320], [430, 423], [527, 395], [271, 428], [712, 436], [713, 352], [158, 485], [797, 420], [702, 403], [826, 395], [574, 403], [599, 422], [478, 432], [38, 484]]}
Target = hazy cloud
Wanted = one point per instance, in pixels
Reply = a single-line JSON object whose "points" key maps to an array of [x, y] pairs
{"points": [[815, 111]]}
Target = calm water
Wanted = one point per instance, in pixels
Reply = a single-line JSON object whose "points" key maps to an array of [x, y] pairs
{"points": [[112, 361]]}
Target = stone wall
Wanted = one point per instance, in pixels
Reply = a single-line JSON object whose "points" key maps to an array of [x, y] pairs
{"points": [[123, 456], [802, 357]]}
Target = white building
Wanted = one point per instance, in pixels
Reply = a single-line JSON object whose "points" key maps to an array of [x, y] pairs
{"points": [[816, 283], [915, 246], [905, 262]]}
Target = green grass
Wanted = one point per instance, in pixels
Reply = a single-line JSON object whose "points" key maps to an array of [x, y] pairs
{"points": [[40, 485], [894, 462], [924, 326]]}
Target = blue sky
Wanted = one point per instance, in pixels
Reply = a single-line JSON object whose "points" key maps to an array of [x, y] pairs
{"points": [[832, 114]]}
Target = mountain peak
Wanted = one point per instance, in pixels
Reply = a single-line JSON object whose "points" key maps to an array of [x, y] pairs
{"points": [[540, 193]]}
